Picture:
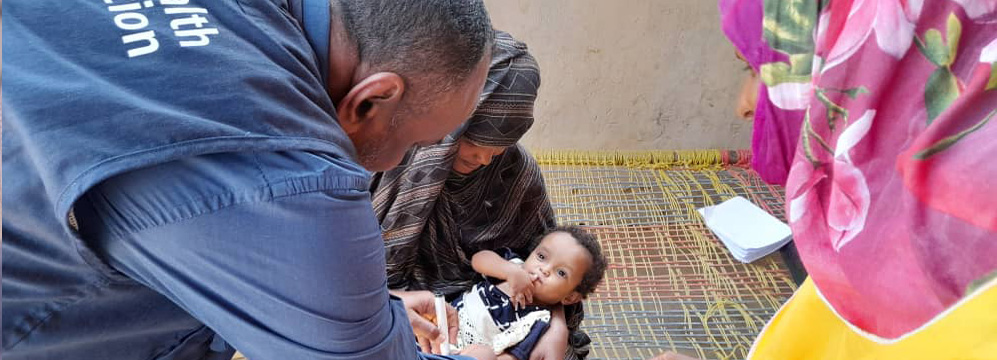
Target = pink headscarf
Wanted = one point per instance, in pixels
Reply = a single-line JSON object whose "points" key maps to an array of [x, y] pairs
{"points": [[892, 194], [776, 129]]}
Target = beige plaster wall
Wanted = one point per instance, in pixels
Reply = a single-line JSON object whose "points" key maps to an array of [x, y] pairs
{"points": [[630, 74]]}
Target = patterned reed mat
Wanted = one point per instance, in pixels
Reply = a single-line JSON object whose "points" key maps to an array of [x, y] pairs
{"points": [[671, 284]]}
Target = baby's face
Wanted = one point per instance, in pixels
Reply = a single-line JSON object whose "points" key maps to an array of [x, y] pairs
{"points": [[559, 263]]}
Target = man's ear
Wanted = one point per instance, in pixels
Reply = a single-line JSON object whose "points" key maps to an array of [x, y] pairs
{"points": [[574, 298], [371, 103]]}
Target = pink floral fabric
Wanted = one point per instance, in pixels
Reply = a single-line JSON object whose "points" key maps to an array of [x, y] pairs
{"points": [[892, 194]]}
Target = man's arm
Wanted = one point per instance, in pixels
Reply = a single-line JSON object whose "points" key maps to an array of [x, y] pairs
{"points": [[293, 269]]}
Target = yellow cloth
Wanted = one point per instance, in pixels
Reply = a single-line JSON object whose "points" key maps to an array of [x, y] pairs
{"points": [[807, 328]]}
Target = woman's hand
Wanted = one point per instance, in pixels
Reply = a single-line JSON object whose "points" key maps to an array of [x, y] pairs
{"points": [[521, 287], [551, 346], [479, 352]]}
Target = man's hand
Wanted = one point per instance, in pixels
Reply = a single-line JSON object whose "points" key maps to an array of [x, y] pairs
{"points": [[520, 286], [422, 315]]}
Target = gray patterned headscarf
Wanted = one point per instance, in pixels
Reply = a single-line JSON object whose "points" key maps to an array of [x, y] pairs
{"points": [[434, 219]]}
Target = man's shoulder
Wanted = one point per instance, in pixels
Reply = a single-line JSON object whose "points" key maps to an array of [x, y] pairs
{"points": [[242, 171], [179, 189]]}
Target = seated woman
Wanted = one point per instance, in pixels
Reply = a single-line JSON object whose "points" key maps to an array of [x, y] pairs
{"points": [[476, 190], [889, 195]]}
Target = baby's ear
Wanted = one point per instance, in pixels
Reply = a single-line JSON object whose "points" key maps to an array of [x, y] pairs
{"points": [[573, 298]]}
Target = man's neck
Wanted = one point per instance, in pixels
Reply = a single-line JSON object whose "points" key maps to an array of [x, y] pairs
{"points": [[344, 59]]}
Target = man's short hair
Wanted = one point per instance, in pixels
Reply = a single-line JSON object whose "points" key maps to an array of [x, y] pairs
{"points": [[437, 40]]}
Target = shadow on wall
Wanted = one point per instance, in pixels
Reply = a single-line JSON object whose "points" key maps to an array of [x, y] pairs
{"points": [[644, 75]]}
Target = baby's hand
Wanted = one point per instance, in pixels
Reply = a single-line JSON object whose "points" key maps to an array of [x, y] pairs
{"points": [[521, 287]]}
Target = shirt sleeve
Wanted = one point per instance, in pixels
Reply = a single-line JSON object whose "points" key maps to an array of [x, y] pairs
{"points": [[293, 269], [522, 350]]}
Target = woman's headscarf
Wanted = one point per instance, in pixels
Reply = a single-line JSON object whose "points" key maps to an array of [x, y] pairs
{"points": [[891, 194], [434, 219], [783, 64]]}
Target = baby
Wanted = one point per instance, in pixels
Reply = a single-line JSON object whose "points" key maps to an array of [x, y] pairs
{"points": [[509, 310]]}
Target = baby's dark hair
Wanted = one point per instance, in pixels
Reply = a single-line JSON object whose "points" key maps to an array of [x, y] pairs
{"points": [[597, 269]]}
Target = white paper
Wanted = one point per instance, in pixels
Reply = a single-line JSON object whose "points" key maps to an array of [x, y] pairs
{"points": [[748, 231]]}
